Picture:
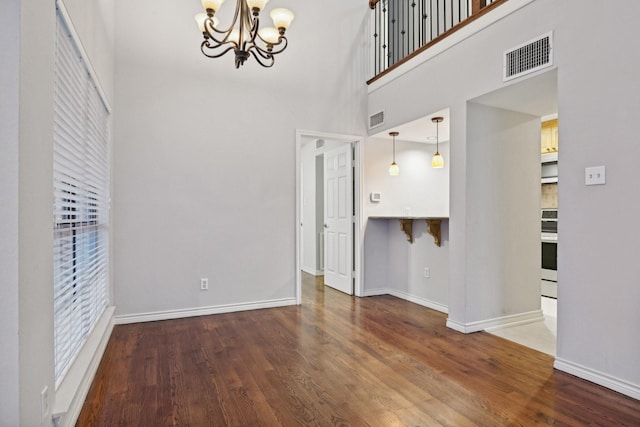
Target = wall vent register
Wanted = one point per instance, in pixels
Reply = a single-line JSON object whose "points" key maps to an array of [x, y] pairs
{"points": [[528, 57], [376, 120]]}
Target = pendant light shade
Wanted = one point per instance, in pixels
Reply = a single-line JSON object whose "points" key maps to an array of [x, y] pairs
{"points": [[438, 161], [394, 170]]}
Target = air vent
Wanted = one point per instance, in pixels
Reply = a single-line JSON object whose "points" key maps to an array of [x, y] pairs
{"points": [[528, 57], [376, 120]]}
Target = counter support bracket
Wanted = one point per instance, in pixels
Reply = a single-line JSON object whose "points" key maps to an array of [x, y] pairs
{"points": [[406, 225], [433, 228]]}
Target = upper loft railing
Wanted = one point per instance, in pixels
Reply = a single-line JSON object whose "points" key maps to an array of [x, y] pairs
{"points": [[404, 28]]}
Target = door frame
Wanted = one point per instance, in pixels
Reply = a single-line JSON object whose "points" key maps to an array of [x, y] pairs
{"points": [[358, 143]]}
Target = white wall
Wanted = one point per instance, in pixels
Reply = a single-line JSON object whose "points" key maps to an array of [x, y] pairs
{"points": [[419, 188], [9, 285], [204, 162], [598, 248], [35, 236], [32, 113], [597, 310], [445, 82], [393, 265], [503, 214]]}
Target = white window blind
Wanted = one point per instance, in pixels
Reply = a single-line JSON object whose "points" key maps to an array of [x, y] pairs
{"points": [[81, 197]]}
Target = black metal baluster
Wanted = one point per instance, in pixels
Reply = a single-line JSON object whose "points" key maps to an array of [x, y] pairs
{"points": [[413, 26], [403, 31], [376, 41], [385, 18], [424, 22]]}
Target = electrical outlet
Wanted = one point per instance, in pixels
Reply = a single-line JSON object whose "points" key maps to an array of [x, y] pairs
{"points": [[204, 284], [427, 272], [44, 402], [595, 175]]}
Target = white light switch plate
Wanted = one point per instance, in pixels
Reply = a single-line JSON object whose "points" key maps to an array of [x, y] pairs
{"points": [[594, 175]]}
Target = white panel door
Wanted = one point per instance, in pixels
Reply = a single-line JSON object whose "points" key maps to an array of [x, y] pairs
{"points": [[338, 214]]}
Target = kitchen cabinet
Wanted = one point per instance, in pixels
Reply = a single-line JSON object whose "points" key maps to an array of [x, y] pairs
{"points": [[549, 137]]}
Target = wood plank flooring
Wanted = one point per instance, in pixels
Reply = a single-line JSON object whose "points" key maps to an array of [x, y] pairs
{"points": [[336, 361]]}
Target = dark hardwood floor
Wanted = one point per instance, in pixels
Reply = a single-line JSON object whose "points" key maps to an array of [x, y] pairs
{"points": [[336, 361]]}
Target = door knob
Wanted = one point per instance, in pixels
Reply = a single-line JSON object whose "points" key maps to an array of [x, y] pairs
{"points": [[326, 226]]}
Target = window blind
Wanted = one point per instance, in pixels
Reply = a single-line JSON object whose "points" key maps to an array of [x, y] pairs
{"points": [[81, 202]]}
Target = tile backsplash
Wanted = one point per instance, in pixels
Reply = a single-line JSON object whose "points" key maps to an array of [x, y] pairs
{"points": [[549, 197]]}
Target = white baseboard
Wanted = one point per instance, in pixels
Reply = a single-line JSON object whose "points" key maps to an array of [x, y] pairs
{"points": [[73, 390], [600, 378], [375, 292], [408, 297], [201, 311], [497, 323], [312, 271], [420, 301]]}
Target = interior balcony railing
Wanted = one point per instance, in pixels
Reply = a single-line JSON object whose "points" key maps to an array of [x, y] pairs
{"points": [[404, 28]]}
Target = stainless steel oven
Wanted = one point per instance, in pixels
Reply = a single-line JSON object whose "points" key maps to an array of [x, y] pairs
{"points": [[549, 257]]}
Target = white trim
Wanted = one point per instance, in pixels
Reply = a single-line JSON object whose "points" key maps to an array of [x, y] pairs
{"points": [[376, 292], [497, 323], [456, 326], [202, 311], [408, 297], [83, 53], [420, 301], [73, 390], [467, 31], [600, 378], [358, 239], [312, 271]]}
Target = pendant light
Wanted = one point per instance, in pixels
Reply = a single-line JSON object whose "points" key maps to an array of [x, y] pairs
{"points": [[394, 170], [438, 161]]}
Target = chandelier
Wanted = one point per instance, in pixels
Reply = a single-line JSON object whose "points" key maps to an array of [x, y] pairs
{"points": [[244, 36]]}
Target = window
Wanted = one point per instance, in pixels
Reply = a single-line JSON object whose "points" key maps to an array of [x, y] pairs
{"points": [[81, 202]]}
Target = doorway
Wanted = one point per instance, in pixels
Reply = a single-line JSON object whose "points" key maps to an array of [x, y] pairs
{"points": [[314, 227], [535, 97]]}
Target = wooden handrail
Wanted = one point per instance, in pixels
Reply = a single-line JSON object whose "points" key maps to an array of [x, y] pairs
{"points": [[481, 12], [373, 3]]}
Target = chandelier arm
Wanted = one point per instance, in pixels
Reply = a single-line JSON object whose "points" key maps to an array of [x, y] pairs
{"points": [[271, 59], [211, 33], [280, 48], [273, 51], [252, 23], [264, 53], [205, 44]]}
